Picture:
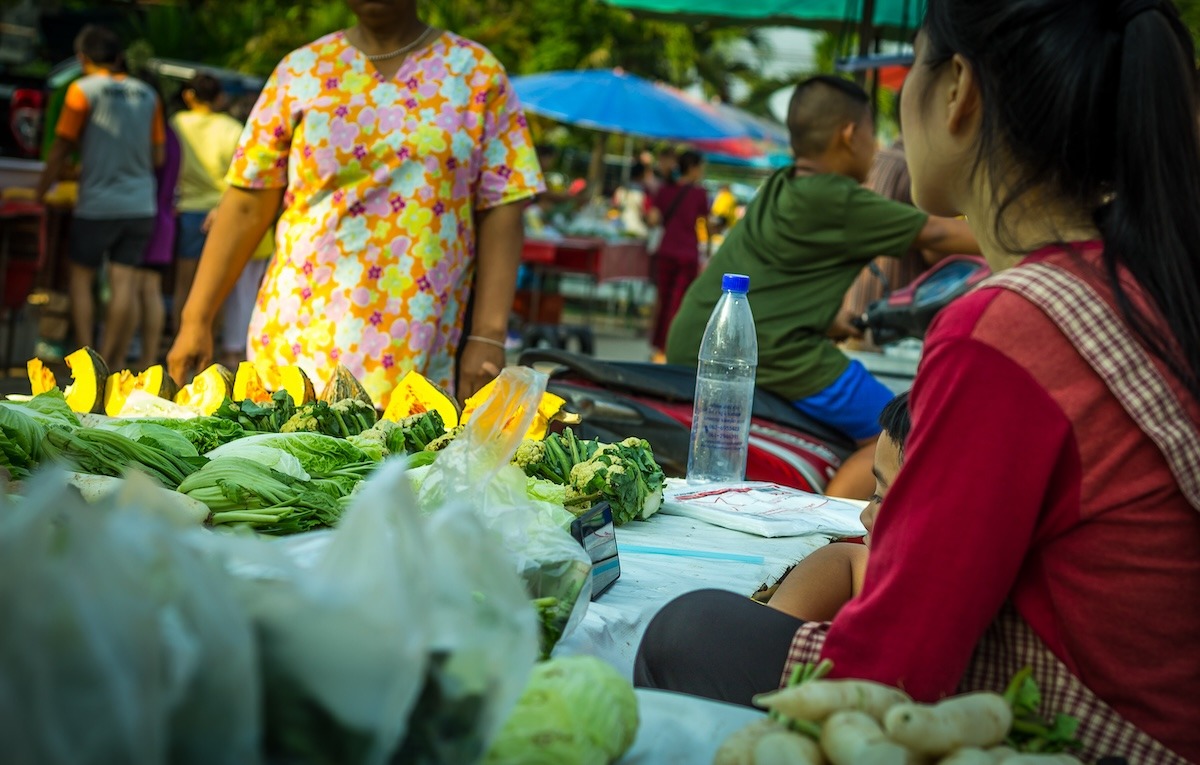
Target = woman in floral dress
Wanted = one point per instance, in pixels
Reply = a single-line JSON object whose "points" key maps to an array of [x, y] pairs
{"points": [[400, 156]]}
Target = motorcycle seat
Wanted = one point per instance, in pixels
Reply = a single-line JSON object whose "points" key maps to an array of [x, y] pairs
{"points": [[674, 383]]}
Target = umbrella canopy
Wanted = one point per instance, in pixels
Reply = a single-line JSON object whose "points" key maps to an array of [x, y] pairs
{"points": [[617, 102], [890, 16]]}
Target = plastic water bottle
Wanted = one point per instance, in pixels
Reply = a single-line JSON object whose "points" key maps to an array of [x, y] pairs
{"points": [[724, 388]]}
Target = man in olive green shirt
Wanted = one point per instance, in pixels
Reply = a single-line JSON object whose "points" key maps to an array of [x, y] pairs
{"points": [[803, 240]]}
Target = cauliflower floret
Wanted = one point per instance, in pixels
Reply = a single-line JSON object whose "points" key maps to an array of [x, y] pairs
{"points": [[529, 453], [301, 422], [441, 442]]}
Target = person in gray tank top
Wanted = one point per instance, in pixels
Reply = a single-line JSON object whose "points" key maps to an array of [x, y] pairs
{"points": [[116, 124]]}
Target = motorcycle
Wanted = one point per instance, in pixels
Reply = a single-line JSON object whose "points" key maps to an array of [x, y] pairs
{"points": [[614, 399]]}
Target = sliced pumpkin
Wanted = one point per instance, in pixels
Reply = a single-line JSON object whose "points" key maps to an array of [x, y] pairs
{"points": [[415, 395], [343, 385], [157, 382], [269, 373], [117, 388], [207, 390], [249, 386], [293, 380], [549, 408], [41, 377], [89, 376]]}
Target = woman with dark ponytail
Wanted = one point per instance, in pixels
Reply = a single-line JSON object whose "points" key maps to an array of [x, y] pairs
{"points": [[1048, 510]]}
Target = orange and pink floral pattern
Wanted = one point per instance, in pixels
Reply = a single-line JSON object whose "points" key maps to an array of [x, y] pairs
{"points": [[376, 244]]}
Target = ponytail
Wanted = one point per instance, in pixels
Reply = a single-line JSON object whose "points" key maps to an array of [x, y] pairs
{"points": [[1152, 225]]}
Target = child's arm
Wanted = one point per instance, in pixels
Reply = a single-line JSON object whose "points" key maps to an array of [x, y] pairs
{"points": [[822, 583]]}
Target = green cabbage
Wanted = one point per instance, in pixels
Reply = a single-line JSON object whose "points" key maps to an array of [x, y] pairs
{"points": [[576, 710]]}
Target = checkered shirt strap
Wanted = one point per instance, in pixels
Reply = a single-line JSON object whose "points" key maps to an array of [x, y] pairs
{"points": [[1104, 341], [805, 648], [1010, 644]]}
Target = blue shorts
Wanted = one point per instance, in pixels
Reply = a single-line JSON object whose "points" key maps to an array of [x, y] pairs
{"points": [[852, 404], [189, 238]]}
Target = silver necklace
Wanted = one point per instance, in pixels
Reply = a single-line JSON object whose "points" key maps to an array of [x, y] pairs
{"points": [[400, 51]]}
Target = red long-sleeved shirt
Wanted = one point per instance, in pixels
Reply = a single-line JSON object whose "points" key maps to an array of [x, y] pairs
{"points": [[1025, 481]]}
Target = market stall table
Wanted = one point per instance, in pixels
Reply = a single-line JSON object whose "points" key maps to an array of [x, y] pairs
{"points": [[666, 557], [598, 260]]}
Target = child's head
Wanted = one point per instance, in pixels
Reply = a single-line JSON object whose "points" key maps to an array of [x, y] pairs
{"points": [[830, 120], [889, 454]]}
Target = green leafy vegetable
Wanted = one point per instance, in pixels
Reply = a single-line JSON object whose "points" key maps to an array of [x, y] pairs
{"points": [[204, 433], [411, 435], [268, 417], [106, 452], [21, 438], [154, 434], [49, 408], [334, 465], [624, 474], [348, 417], [1030, 732], [240, 490]]}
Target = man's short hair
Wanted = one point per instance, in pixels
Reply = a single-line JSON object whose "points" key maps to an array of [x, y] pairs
{"points": [[820, 107], [206, 88], [98, 44]]}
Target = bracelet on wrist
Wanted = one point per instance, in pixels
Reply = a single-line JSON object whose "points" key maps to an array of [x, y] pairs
{"points": [[487, 341]]}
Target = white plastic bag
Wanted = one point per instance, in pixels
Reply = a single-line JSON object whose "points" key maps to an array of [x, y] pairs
{"points": [[343, 622], [118, 642], [483, 641], [765, 509], [476, 469]]}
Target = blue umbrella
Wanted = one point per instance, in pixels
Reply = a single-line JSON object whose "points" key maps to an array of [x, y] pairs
{"points": [[616, 102]]}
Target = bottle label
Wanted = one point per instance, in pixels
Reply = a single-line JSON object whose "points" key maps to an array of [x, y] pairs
{"points": [[722, 424]]}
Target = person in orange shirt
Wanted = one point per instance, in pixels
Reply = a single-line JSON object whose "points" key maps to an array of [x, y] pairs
{"points": [[116, 124]]}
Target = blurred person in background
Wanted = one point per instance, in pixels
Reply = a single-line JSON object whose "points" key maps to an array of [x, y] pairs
{"points": [[680, 208], [160, 251], [402, 161], [116, 124], [209, 138], [888, 178]]}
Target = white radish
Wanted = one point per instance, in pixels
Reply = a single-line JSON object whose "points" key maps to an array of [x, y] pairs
{"points": [[855, 738], [1040, 759], [970, 755], [785, 748], [738, 748], [818, 699], [972, 719], [1001, 753]]}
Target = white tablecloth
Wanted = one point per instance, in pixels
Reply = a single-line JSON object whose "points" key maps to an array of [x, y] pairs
{"points": [[665, 557], [682, 730]]}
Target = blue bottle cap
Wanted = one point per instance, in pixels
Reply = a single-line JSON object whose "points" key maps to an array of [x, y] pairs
{"points": [[735, 283]]}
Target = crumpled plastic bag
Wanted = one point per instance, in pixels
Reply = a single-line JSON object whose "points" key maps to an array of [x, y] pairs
{"points": [[483, 642], [475, 468], [118, 642], [343, 621]]}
